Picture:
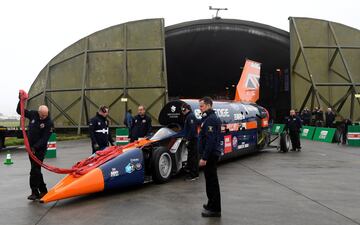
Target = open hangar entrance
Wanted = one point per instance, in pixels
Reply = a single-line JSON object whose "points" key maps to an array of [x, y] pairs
{"points": [[206, 57]]}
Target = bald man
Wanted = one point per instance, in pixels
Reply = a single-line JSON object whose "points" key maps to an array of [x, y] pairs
{"points": [[39, 130]]}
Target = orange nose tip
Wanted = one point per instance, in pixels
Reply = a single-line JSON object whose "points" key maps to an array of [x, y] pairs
{"points": [[72, 186]]}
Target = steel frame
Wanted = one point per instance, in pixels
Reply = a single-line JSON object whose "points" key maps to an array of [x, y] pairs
{"points": [[308, 77], [85, 100]]}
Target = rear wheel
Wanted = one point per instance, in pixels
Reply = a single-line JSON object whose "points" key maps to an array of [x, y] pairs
{"points": [[161, 165], [284, 142]]}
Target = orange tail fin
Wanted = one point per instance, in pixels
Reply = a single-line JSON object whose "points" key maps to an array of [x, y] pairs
{"points": [[248, 87]]}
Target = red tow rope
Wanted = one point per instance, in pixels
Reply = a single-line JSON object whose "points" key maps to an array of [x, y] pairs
{"points": [[80, 168]]}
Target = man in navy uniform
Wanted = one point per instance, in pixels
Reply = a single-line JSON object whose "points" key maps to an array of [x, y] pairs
{"points": [[293, 125], [141, 126], [209, 148], [329, 118], [191, 137], [39, 131], [99, 130], [306, 117]]}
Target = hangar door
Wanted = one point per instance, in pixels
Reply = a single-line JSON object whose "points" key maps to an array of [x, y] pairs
{"points": [[325, 68], [122, 67]]}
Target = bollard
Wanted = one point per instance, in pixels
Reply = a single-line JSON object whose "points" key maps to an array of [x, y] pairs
{"points": [[122, 136], [51, 147]]}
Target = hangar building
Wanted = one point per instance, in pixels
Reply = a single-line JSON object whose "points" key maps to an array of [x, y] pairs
{"points": [[144, 62]]}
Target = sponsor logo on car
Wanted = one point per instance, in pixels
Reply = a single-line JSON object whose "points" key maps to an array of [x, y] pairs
{"points": [[114, 172], [129, 168], [222, 112], [239, 116], [234, 142], [243, 145], [227, 146]]}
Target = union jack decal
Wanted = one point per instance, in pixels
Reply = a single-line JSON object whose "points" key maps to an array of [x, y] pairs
{"points": [[252, 81]]}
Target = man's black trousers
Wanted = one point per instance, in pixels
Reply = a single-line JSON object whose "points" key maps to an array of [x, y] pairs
{"points": [[212, 184], [295, 140], [36, 178], [193, 159]]}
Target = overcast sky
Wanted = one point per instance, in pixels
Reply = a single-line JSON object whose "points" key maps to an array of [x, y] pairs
{"points": [[33, 32]]}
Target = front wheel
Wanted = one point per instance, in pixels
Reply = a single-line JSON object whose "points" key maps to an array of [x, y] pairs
{"points": [[161, 165]]}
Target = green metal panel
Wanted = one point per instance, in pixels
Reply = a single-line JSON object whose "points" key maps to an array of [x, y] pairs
{"points": [[123, 61], [307, 132], [277, 128], [122, 135], [324, 66], [324, 134], [51, 150], [354, 135]]}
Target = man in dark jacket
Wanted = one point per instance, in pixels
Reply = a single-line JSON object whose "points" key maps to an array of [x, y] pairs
{"points": [[344, 130], [329, 118], [191, 137], [39, 131], [99, 130], [306, 117], [141, 126], [293, 125], [209, 148], [319, 117]]}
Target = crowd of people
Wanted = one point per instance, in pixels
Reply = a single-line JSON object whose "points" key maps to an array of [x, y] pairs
{"points": [[319, 118], [316, 117]]}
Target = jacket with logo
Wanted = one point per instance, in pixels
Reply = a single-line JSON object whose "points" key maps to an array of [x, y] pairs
{"points": [[209, 136], [99, 131], [39, 131]]}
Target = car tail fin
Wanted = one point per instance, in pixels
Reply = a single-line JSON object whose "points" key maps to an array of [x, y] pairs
{"points": [[248, 87]]}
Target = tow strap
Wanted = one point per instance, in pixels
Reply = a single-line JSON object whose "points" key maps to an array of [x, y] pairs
{"points": [[80, 168]]}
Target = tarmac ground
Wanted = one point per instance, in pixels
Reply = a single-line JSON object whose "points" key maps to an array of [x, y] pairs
{"points": [[320, 185]]}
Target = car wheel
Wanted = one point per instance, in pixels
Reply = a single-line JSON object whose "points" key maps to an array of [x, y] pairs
{"points": [[284, 142], [161, 165]]}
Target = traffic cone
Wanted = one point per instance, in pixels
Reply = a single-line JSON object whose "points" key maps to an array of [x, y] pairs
{"points": [[8, 160]]}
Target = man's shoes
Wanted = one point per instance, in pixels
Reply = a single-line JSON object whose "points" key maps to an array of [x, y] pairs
{"points": [[42, 194], [298, 149], [205, 206], [34, 196], [208, 213], [293, 149]]}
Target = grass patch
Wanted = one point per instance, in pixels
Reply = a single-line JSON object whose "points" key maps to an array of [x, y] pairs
{"points": [[13, 141], [10, 123]]}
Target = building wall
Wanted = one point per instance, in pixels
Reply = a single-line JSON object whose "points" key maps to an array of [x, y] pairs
{"points": [[325, 58], [123, 61]]}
